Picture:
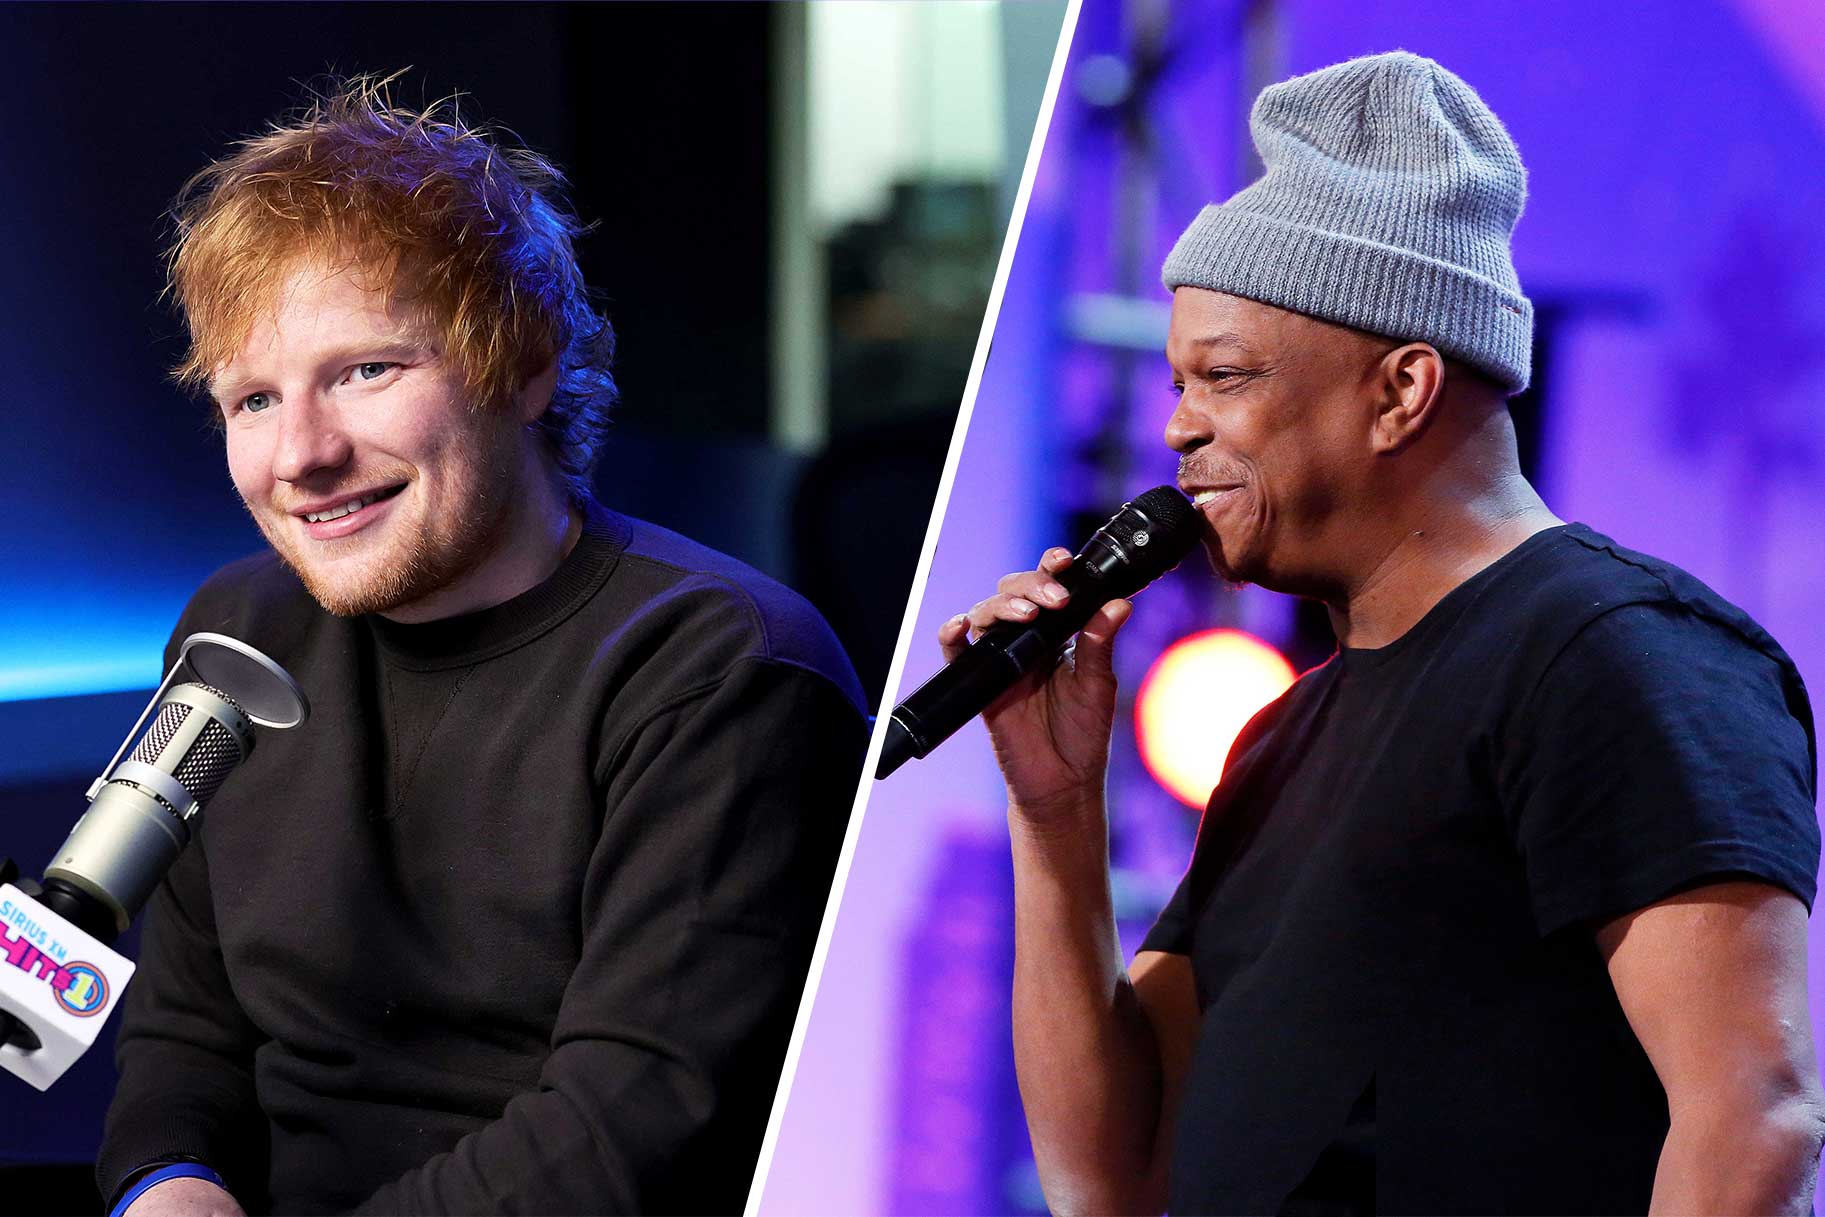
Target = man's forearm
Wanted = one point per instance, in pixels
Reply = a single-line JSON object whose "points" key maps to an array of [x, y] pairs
{"points": [[1084, 1050], [1727, 1162]]}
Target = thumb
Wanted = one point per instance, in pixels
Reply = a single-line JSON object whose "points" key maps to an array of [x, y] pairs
{"points": [[1096, 644]]}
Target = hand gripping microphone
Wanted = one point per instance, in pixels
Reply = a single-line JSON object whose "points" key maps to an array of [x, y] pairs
{"points": [[1141, 542], [58, 976]]}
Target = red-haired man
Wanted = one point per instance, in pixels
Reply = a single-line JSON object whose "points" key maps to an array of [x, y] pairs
{"points": [[519, 921]]}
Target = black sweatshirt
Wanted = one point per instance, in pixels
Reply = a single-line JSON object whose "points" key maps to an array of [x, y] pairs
{"points": [[519, 920]]}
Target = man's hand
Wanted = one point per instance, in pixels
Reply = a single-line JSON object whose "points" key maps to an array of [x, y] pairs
{"points": [[1051, 731], [185, 1197], [1099, 1055]]}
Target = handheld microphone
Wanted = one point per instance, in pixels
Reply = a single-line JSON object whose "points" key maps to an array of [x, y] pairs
{"points": [[63, 977], [1141, 542]]}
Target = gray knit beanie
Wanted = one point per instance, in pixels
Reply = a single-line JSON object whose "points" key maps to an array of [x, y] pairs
{"points": [[1389, 196]]}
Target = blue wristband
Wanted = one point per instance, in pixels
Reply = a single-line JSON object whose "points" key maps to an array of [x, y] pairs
{"points": [[157, 1175]]}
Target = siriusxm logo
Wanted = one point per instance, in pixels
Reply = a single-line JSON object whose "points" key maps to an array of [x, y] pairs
{"points": [[79, 988]]}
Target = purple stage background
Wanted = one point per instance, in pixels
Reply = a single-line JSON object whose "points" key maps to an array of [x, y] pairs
{"points": [[1672, 245]]}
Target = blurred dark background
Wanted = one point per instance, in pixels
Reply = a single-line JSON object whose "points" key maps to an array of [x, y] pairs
{"points": [[686, 131]]}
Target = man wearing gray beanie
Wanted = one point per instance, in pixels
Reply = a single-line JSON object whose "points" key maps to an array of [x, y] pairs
{"points": [[1501, 909]]}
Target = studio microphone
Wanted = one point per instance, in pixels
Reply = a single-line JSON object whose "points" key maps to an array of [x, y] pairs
{"points": [[58, 975], [142, 809], [1141, 542]]}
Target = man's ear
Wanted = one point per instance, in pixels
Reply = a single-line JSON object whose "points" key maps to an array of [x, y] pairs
{"points": [[534, 397], [1409, 383]]}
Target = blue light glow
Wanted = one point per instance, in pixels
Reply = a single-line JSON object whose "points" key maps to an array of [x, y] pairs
{"points": [[108, 673], [64, 645]]}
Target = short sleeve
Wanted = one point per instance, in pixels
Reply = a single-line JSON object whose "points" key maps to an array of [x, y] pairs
{"points": [[1171, 931], [1659, 749]]}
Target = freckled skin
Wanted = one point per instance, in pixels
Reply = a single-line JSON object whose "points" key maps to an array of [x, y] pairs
{"points": [[332, 396]]}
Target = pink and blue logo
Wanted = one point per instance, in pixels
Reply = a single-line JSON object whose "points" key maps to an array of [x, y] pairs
{"points": [[87, 991]]}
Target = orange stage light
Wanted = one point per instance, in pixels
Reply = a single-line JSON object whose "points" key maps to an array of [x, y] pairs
{"points": [[1196, 699]]}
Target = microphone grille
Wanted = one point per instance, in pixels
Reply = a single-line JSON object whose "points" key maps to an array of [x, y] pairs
{"points": [[152, 744], [1170, 511], [1142, 541], [209, 759], [1156, 529], [208, 762]]}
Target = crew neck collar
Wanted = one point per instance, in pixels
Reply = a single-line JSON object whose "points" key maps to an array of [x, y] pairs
{"points": [[1452, 604], [470, 638]]}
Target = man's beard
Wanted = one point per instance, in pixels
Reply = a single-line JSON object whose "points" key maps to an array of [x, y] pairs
{"points": [[426, 565]]}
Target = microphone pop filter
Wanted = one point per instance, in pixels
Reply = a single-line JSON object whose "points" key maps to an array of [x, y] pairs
{"points": [[265, 691]]}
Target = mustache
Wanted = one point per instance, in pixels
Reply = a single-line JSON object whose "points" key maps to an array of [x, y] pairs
{"points": [[1200, 470], [341, 488]]}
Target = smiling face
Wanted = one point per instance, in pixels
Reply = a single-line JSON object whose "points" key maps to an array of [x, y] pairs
{"points": [[355, 448], [1273, 428]]}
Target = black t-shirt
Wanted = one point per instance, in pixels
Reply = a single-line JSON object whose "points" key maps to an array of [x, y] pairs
{"points": [[1389, 911]]}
